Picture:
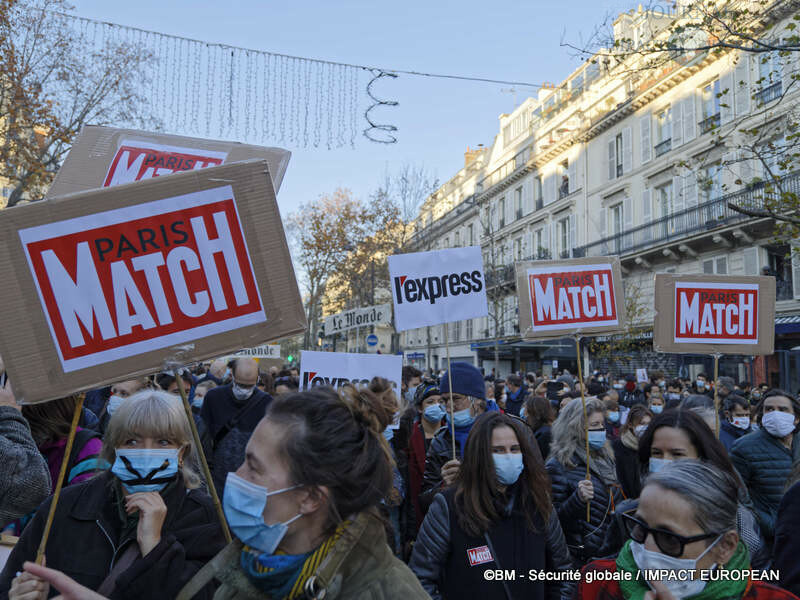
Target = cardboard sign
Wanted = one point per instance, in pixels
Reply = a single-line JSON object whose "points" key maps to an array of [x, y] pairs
{"points": [[714, 314], [194, 265], [441, 286], [105, 156], [358, 317], [336, 369], [641, 376], [561, 298], [267, 351]]}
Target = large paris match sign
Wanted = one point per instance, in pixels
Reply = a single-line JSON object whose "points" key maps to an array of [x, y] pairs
{"points": [[191, 266], [105, 156], [582, 296], [714, 314], [336, 369], [441, 286]]}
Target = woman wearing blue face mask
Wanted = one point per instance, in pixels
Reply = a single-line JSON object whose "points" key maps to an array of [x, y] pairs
{"points": [[303, 507], [571, 490], [685, 524], [141, 529], [497, 516]]}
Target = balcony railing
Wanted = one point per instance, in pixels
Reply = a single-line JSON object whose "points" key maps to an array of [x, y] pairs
{"points": [[769, 93], [709, 123], [703, 217], [663, 147]]}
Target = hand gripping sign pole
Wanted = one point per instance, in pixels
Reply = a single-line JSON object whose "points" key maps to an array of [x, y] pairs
{"points": [[450, 387], [201, 454], [57, 493], [585, 419]]}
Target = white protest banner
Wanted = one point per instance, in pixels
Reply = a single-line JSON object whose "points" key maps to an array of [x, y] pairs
{"points": [[358, 317], [440, 286], [194, 265], [718, 314], [578, 296], [336, 369], [641, 376], [267, 351]]}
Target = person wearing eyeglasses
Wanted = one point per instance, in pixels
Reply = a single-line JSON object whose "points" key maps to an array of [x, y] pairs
{"points": [[498, 515], [684, 526], [571, 488]]}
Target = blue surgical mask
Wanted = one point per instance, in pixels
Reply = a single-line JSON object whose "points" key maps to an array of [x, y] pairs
{"points": [[244, 503], [388, 433], [434, 413], [618, 386], [508, 467], [410, 392], [656, 464], [523, 413], [613, 416], [462, 418], [145, 470], [657, 409], [701, 385], [597, 439], [114, 403]]}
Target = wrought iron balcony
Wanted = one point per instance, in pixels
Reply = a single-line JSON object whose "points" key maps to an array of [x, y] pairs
{"points": [[769, 93], [709, 123], [703, 217], [663, 147]]}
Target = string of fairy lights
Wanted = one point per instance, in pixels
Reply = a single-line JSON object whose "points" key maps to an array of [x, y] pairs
{"points": [[217, 90]]}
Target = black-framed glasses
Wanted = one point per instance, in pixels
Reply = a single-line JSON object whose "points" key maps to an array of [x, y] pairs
{"points": [[668, 542]]}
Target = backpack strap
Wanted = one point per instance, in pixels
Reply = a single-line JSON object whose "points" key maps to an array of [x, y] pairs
{"points": [[234, 421]]}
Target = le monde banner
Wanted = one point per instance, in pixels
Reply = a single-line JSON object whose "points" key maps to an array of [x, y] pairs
{"points": [[358, 317]]}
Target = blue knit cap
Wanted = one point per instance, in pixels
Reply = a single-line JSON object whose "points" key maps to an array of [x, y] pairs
{"points": [[467, 380]]}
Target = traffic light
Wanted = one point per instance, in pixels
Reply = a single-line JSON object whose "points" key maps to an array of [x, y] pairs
{"points": [[290, 358]]}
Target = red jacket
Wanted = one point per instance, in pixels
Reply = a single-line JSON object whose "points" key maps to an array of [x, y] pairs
{"points": [[416, 468], [610, 590]]}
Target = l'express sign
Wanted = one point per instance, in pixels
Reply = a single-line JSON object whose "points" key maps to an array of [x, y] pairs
{"points": [[722, 314]]}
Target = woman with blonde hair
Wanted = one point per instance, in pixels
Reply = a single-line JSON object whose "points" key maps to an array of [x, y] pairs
{"points": [[571, 488], [141, 529]]}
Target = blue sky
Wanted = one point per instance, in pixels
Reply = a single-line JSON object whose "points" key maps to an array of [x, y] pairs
{"points": [[437, 119]]}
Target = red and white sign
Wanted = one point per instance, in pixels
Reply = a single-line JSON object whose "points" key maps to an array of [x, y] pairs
{"points": [[572, 296], [479, 556], [716, 313], [135, 161], [135, 279]]}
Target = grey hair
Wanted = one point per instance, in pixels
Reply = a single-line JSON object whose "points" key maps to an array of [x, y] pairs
{"points": [[568, 431], [711, 492], [709, 415], [156, 414]]}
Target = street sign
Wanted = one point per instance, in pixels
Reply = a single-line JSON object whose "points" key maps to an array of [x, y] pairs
{"points": [[372, 340]]}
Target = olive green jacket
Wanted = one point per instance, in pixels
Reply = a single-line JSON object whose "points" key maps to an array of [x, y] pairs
{"points": [[360, 566]]}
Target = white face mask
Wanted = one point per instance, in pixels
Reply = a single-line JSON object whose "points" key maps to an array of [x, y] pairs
{"points": [[777, 423], [639, 430], [741, 422], [647, 560]]}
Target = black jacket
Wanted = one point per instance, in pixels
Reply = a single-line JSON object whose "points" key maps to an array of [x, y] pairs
{"points": [[628, 470], [220, 406], [85, 540], [729, 433], [434, 551], [787, 543], [583, 539]]}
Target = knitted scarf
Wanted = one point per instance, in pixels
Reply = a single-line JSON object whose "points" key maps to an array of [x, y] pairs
{"points": [[283, 576], [714, 590]]}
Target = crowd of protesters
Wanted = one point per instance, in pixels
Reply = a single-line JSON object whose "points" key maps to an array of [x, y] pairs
{"points": [[372, 492]]}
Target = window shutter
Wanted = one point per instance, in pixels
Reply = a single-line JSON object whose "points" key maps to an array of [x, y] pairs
{"points": [[750, 260], [741, 80], [689, 121], [647, 213], [527, 199], [627, 150], [677, 124], [708, 267], [726, 100], [602, 226], [553, 240], [572, 174], [549, 191], [573, 240], [644, 138], [795, 256], [627, 220], [677, 194], [612, 158], [690, 189], [546, 239]]}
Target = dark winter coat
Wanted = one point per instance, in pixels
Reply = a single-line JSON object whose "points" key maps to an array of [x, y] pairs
{"points": [[764, 464], [628, 470], [729, 433], [583, 539], [440, 558], [87, 533], [787, 543]]}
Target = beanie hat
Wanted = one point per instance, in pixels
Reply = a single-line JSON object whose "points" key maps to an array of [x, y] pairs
{"points": [[467, 380]]}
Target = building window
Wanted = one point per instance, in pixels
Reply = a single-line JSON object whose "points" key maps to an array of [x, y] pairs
{"points": [[518, 249], [616, 219], [457, 242], [663, 132], [563, 189], [716, 266], [664, 200], [562, 230], [518, 202], [711, 183], [710, 100], [446, 243], [468, 328], [537, 192], [618, 141], [501, 209], [470, 234]]}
